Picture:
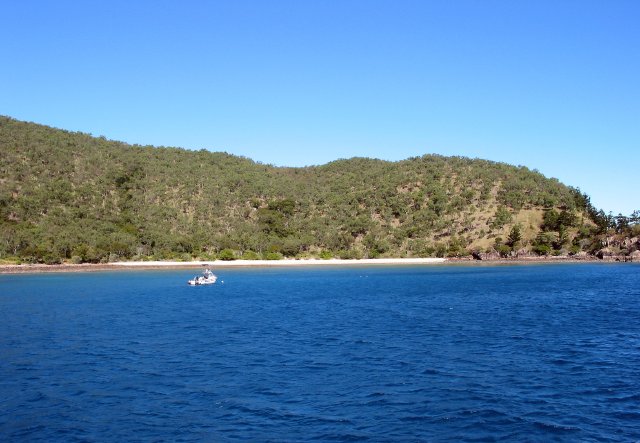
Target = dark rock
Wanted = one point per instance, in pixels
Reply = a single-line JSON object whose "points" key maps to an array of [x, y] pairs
{"points": [[630, 242], [605, 254], [493, 255]]}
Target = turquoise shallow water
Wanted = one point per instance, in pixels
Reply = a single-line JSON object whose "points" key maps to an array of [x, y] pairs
{"points": [[421, 353]]}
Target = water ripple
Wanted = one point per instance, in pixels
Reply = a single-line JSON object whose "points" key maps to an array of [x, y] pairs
{"points": [[446, 353]]}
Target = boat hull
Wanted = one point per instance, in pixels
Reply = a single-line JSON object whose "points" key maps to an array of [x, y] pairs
{"points": [[197, 283]]}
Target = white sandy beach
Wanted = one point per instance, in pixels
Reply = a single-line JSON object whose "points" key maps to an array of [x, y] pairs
{"points": [[288, 262]]}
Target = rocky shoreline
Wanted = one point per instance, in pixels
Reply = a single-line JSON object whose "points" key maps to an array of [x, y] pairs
{"points": [[613, 248], [583, 257]]}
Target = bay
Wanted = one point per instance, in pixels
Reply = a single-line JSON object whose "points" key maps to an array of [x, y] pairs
{"points": [[379, 353]]}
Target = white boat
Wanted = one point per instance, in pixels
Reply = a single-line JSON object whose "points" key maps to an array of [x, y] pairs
{"points": [[207, 278]]}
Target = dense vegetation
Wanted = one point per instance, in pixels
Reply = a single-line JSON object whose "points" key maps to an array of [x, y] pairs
{"points": [[68, 196]]}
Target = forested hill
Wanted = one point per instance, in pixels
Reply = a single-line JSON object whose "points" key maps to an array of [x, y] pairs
{"points": [[70, 196]]}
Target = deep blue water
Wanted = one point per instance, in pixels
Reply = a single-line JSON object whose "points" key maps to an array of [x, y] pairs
{"points": [[423, 353]]}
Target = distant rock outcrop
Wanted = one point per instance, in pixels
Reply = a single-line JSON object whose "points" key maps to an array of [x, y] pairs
{"points": [[622, 249], [631, 242], [492, 255], [605, 254]]}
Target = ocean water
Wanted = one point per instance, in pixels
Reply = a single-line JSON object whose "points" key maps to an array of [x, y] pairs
{"points": [[419, 353]]}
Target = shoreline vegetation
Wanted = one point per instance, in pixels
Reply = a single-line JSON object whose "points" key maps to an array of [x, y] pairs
{"points": [[98, 201], [216, 264]]}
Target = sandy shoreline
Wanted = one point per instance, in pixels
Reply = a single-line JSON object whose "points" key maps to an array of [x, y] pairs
{"points": [[216, 264], [286, 262], [87, 267]]}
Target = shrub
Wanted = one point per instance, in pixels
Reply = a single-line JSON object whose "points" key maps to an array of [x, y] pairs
{"points": [[503, 250], [541, 249], [227, 255], [51, 259], [440, 250], [350, 254], [250, 255]]}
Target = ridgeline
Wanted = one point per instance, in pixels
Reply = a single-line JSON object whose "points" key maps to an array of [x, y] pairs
{"points": [[70, 197]]}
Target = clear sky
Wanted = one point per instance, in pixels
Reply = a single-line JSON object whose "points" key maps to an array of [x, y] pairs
{"points": [[552, 85]]}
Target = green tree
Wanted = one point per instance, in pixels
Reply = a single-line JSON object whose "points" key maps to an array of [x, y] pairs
{"points": [[501, 217], [515, 235], [543, 243]]}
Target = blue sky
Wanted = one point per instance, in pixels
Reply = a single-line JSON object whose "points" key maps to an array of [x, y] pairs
{"points": [[552, 85]]}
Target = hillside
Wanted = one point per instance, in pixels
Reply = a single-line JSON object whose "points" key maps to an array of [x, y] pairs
{"points": [[68, 196]]}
